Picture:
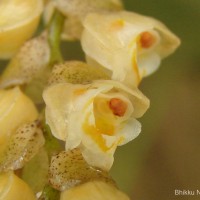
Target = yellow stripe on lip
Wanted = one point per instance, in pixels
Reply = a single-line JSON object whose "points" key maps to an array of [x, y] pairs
{"points": [[135, 68], [134, 47], [96, 134]]}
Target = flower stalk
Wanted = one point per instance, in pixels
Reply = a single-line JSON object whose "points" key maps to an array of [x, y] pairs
{"points": [[49, 193], [54, 36]]}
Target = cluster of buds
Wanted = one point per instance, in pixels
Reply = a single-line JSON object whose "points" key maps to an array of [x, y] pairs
{"points": [[62, 121]]}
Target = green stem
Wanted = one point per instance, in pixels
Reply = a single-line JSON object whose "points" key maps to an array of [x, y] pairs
{"points": [[52, 145], [54, 34], [49, 193]]}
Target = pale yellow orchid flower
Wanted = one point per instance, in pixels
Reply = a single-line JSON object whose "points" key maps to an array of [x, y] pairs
{"points": [[129, 45], [95, 117]]}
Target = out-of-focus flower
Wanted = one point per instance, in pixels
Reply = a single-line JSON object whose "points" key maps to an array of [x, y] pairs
{"points": [[15, 110], [129, 45], [12, 187], [97, 190], [95, 117], [75, 12], [46, 1], [16, 28]]}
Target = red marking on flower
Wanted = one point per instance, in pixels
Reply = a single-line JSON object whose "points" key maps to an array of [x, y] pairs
{"points": [[147, 39], [118, 107]]}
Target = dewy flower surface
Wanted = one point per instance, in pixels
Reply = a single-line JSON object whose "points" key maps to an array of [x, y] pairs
{"points": [[129, 45], [96, 117]]}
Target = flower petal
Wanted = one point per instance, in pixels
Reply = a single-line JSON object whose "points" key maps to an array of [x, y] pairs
{"points": [[58, 108], [148, 63], [130, 131], [103, 160], [140, 101]]}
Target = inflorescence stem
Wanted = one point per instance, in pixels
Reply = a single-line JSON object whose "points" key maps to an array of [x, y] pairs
{"points": [[54, 34]]}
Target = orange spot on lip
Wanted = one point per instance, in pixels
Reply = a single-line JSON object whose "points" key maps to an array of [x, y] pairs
{"points": [[117, 25], [79, 91], [147, 39], [118, 107], [96, 134]]}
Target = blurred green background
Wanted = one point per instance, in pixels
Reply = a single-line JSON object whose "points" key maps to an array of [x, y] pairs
{"points": [[166, 155]]}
